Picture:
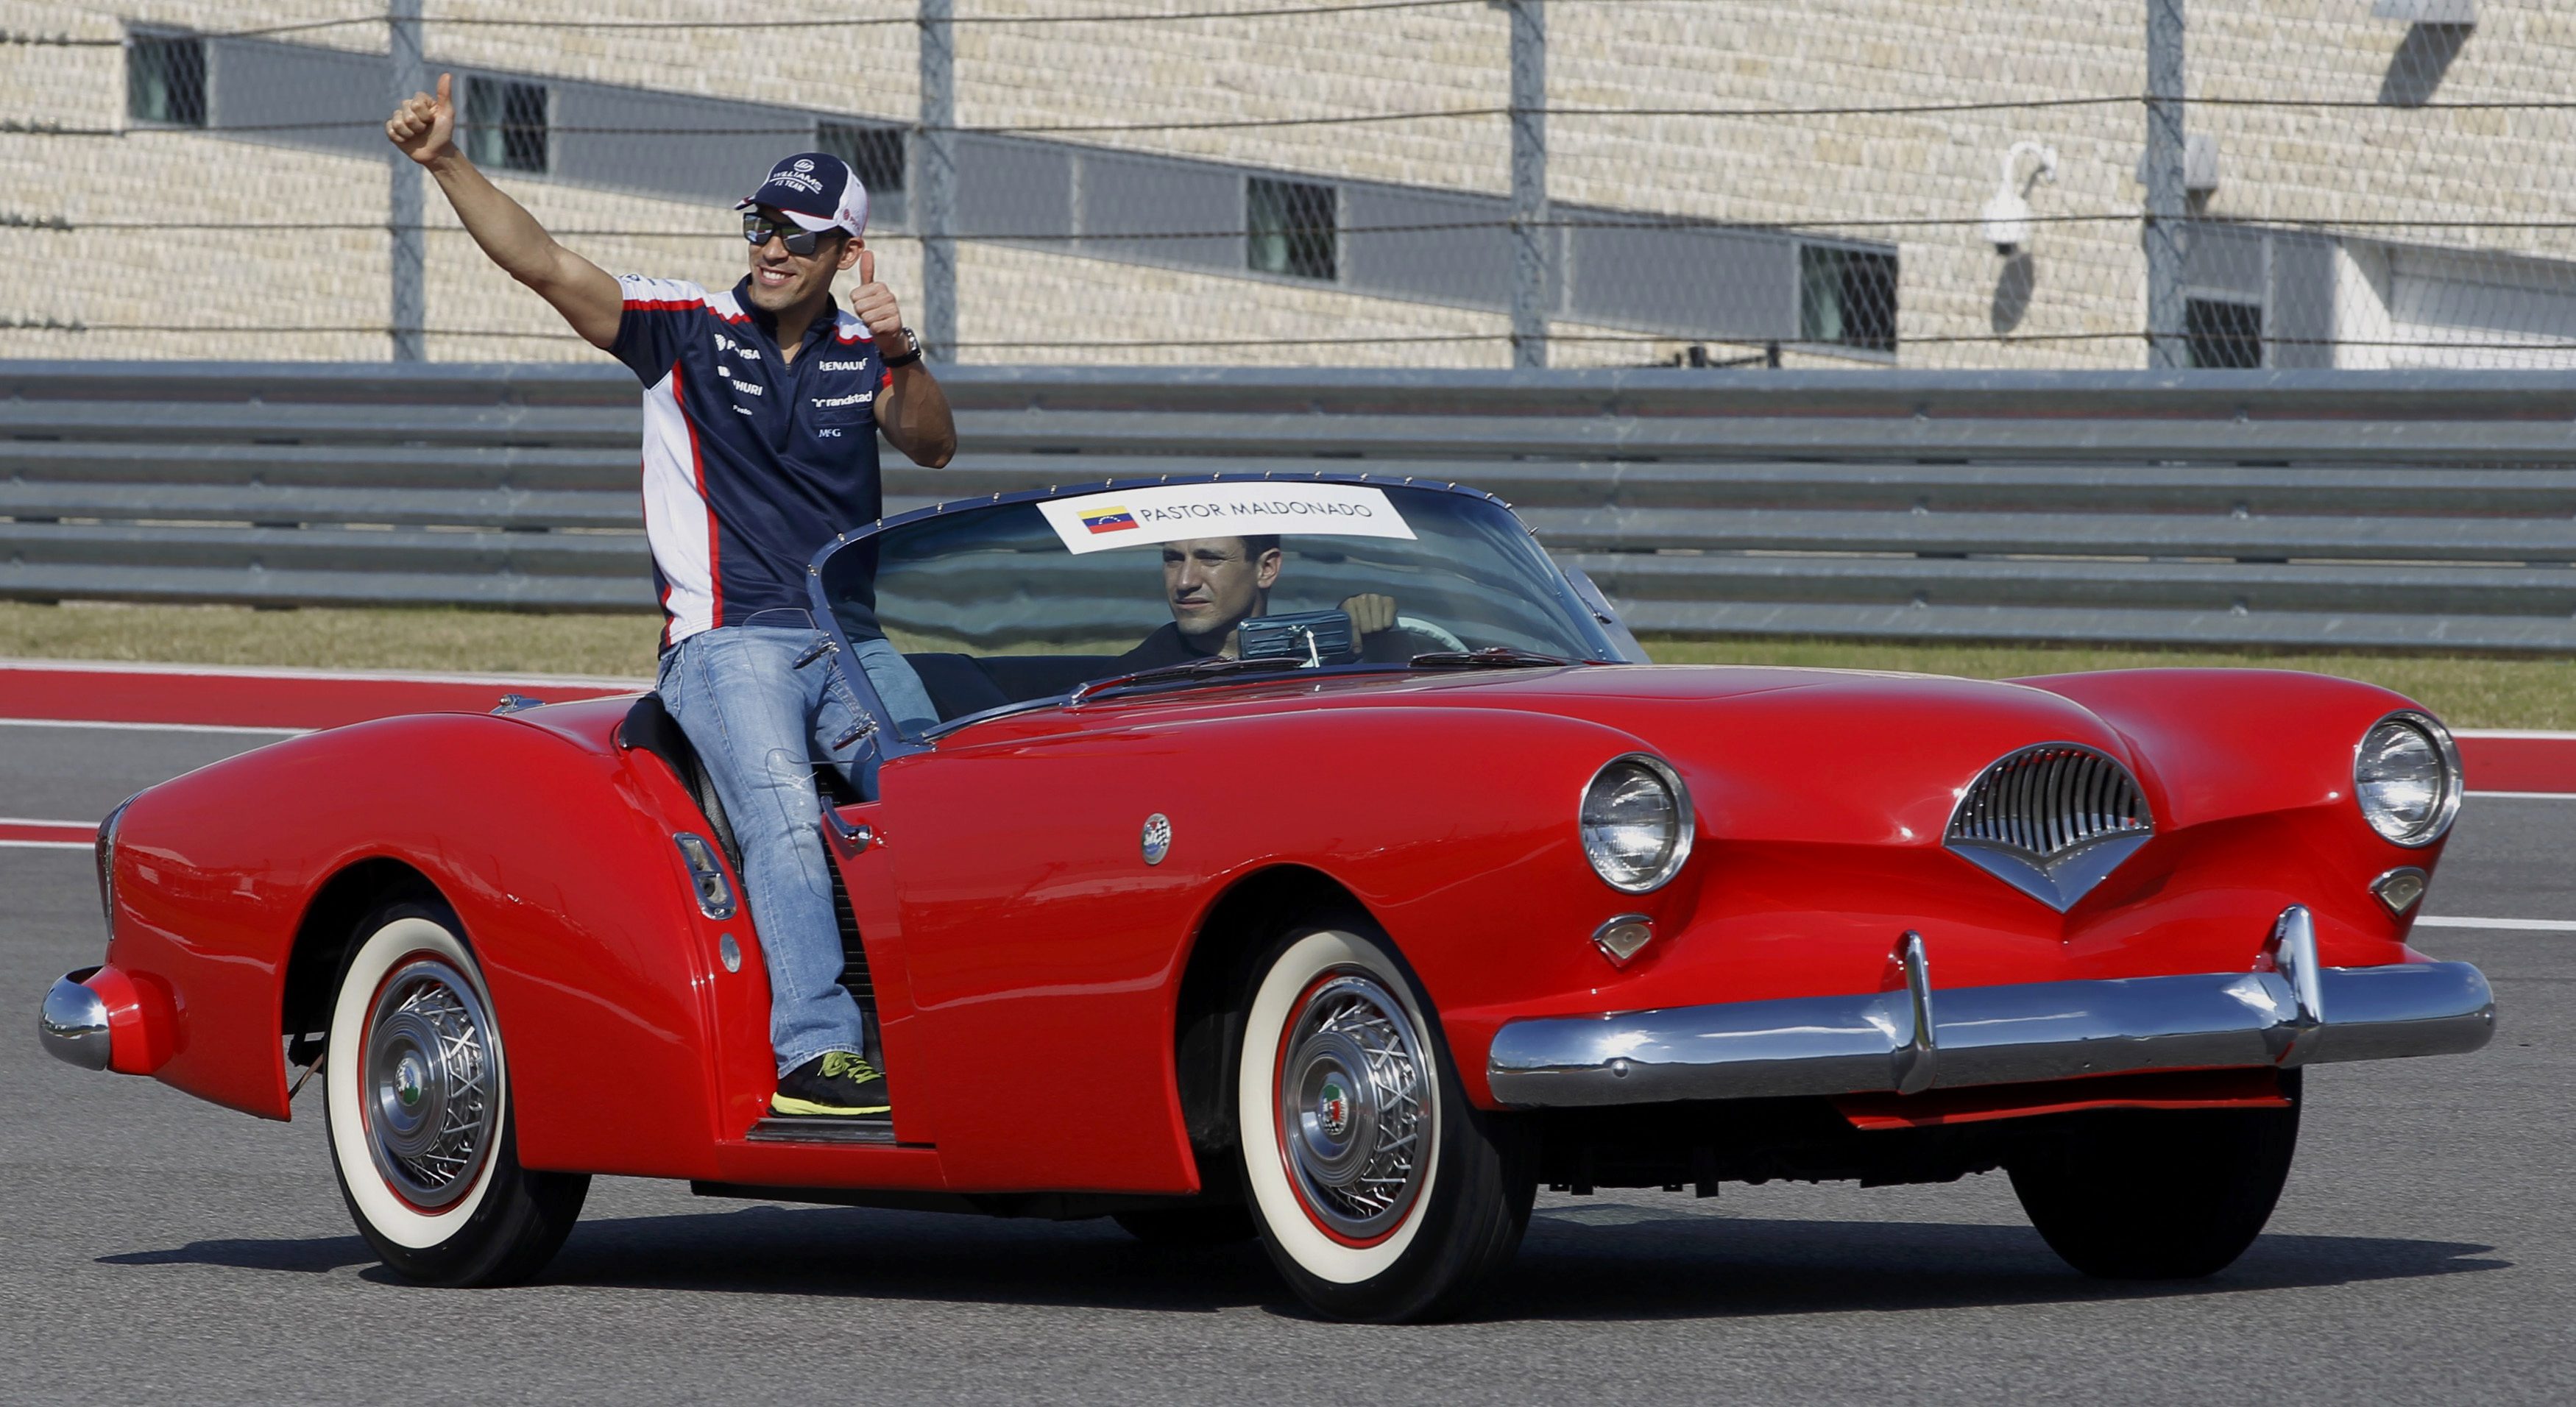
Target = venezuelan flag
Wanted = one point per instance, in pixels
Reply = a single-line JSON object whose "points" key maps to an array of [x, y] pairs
{"points": [[1108, 520]]}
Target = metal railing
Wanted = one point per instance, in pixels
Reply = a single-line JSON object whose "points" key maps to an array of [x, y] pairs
{"points": [[2369, 510]]}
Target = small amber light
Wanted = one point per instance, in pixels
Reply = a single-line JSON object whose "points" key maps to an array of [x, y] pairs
{"points": [[2399, 888], [1622, 938]]}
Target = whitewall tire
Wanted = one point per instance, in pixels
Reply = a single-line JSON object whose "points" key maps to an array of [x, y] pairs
{"points": [[416, 1095], [1379, 1192]]}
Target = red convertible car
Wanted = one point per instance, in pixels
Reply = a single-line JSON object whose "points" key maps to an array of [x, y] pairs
{"points": [[1345, 915]]}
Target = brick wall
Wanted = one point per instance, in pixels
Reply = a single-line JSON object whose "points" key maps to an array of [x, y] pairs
{"points": [[2076, 302]]}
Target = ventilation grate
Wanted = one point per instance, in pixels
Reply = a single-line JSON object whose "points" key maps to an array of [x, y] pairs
{"points": [[2052, 820]]}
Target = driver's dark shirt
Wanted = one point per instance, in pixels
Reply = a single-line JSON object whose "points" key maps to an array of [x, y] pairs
{"points": [[1163, 647]]}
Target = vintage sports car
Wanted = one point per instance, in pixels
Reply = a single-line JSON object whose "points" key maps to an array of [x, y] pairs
{"points": [[1397, 888]]}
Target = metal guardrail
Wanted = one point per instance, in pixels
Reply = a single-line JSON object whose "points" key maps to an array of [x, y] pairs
{"points": [[2370, 510]]}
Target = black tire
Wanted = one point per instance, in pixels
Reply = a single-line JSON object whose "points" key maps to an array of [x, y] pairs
{"points": [[1189, 1226], [2143, 1194], [1424, 1251], [443, 1205]]}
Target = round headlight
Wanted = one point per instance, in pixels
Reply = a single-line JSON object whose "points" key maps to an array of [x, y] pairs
{"points": [[1636, 823], [2406, 777]]}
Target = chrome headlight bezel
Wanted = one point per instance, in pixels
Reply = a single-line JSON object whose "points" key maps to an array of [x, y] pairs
{"points": [[1685, 825], [2446, 808]]}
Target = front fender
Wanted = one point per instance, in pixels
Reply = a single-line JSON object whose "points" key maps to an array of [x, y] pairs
{"points": [[2229, 743]]}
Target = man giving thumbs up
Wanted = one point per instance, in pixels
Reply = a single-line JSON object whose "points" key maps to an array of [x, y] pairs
{"points": [[762, 407]]}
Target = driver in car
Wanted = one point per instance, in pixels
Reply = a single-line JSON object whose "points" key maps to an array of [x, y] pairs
{"points": [[1214, 584]]}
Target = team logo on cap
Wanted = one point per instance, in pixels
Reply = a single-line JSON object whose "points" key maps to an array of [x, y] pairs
{"points": [[798, 175]]}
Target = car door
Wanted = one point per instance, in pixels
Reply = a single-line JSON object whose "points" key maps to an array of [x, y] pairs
{"points": [[1041, 951]]}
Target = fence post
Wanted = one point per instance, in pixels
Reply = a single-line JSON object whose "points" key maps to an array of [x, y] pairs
{"points": [[1530, 234], [935, 178], [403, 207], [2165, 230]]}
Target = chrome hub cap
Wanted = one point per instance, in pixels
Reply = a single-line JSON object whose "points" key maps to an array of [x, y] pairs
{"points": [[1356, 1120], [427, 1084]]}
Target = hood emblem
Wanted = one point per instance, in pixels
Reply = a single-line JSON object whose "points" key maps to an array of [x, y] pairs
{"points": [[2052, 821], [1157, 839]]}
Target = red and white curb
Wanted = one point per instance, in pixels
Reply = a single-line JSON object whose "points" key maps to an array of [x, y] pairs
{"points": [[202, 698], [20, 833]]}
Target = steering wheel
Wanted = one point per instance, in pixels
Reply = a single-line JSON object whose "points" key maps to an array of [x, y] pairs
{"points": [[1416, 625]]}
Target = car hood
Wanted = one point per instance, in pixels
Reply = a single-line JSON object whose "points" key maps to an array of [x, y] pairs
{"points": [[1832, 756]]}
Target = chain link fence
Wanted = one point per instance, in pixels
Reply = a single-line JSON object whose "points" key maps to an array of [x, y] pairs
{"points": [[1703, 183]]}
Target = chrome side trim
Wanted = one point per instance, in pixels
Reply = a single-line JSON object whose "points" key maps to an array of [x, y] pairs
{"points": [[73, 1024], [1896, 1042]]}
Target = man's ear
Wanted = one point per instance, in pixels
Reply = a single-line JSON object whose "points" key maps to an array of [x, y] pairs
{"points": [[850, 248], [1266, 574]]}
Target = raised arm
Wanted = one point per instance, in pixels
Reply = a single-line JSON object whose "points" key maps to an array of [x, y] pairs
{"points": [[424, 129]]}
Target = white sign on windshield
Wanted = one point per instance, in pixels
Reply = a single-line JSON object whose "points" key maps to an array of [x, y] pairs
{"points": [[1137, 517]]}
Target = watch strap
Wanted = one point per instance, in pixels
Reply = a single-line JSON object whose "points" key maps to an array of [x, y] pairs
{"points": [[909, 356]]}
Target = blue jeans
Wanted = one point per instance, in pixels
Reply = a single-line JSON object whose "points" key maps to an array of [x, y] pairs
{"points": [[759, 724]]}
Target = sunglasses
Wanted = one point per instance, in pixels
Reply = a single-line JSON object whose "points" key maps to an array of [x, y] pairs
{"points": [[759, 229]]}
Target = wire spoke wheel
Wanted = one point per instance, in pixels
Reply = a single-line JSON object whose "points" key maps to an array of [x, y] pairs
{"points": [[416, 1094], [1356, 1120], [1379, 1191], [427, 1085]]}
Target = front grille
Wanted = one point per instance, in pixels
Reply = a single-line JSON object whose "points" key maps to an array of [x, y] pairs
{"points": [[2049, 800]]}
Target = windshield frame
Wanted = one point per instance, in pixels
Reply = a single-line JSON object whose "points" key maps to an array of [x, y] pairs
{"points": [[892, 744]]}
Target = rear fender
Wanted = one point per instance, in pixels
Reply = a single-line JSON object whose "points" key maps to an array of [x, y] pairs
{"points": [[558, 862]]}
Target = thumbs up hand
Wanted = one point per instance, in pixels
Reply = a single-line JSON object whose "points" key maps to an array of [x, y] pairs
{"points": [[424, 128], [873, 303]]}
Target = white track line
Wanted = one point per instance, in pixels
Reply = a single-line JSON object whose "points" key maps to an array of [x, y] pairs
{"points": [[2522, 925], [153, 727], [373, 676], [2528, 795], [48, 845], [2512, 733]]}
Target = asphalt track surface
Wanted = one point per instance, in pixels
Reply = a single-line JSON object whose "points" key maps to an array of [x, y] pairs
{"points": [[160, 1248]]}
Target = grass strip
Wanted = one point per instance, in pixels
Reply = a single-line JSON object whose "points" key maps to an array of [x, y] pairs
{"points": [[2468, 691], [2465, 691]]}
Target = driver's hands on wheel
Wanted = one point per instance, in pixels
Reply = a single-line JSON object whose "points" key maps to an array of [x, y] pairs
{"points": [[1370, 613]]}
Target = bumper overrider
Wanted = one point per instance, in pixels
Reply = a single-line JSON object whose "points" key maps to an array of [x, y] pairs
{"points": [[1905, 1041], [98, 1018]]}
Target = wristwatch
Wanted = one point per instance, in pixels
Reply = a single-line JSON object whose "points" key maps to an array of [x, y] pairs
{"points": [[911, 353]]}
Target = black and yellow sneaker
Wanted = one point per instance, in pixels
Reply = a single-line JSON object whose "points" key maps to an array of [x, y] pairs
{"points": [[835, 1084]]}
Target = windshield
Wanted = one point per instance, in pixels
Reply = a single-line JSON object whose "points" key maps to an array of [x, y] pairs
{"points": [[1023, 602]]}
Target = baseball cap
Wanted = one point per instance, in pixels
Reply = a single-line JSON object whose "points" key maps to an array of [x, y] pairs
{"points": [[815, 189]]}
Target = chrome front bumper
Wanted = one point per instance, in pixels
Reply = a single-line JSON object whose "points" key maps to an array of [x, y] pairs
{"points": [[1905, 1041]]}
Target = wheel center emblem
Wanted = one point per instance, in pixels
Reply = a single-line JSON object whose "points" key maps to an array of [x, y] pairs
{"points": [[407, 1081], [1333, 1108]]}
